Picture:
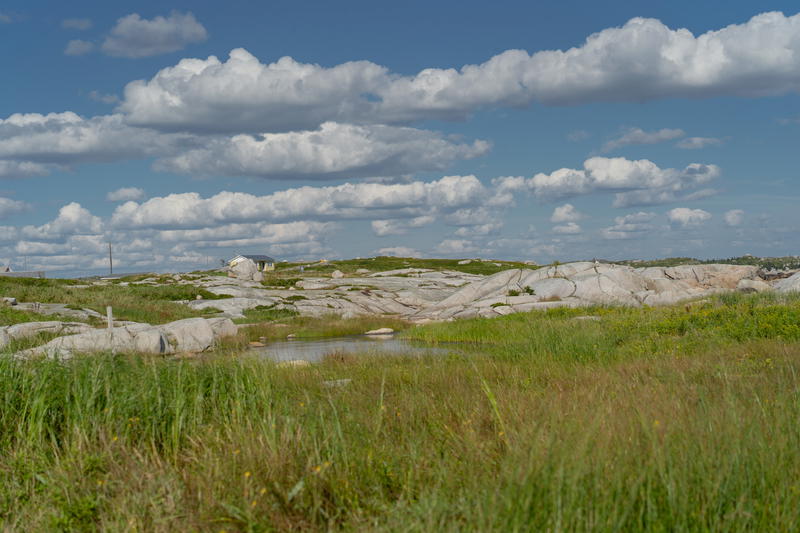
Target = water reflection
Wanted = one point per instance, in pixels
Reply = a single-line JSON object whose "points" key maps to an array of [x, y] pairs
{"points": [[314, 350]]}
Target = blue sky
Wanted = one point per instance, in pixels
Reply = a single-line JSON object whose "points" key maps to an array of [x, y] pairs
{"points": [[185, 132]]}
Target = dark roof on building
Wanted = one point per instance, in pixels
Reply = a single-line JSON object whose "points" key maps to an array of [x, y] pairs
{"points": [[265, 258]]}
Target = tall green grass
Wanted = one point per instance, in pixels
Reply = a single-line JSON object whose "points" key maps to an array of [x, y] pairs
{"points": [[139, 303], [641, 421]]}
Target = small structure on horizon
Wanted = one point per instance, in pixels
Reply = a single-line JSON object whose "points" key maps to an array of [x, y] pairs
{"points": [[264, 263]]}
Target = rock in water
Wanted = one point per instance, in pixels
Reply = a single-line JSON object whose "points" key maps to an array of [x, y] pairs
{"points": [[380, 331]]}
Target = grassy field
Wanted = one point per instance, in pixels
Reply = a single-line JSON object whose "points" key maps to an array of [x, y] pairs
{"points": [[384, 263], [677, 419], [768, 263], [139, 303]]}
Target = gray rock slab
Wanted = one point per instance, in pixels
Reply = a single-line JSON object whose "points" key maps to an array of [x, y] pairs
{"points": [[790, 284]]}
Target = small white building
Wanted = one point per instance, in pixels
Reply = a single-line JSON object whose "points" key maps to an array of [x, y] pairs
{"points": [[264, 263]]}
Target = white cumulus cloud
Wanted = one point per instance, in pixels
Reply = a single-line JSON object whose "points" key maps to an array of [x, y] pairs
{"points": [[734, 217], [332, 151], [570, 228], [635, 182], [11, 207], [639, 136], [125, 194], [641, 60], [634, 225], [566, 213], [348, 201], [78, 47], [136, 37], [72, 219], [382, 228], [456, 246], [686, 218], [695, 143]]}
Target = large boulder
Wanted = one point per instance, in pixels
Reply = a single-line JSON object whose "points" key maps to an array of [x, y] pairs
{"points": [[790, 284], [31, 329], [140, 339], [753, 285], [495, 285], [188, 335], [222, 327], [246, 270]]}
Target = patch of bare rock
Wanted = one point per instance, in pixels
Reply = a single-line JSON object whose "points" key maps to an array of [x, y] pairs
{"points": [[422, 295], [191, 335]]}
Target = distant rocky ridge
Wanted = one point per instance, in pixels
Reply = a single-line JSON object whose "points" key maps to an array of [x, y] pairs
{"points": [[421, 295], [416, 294]]}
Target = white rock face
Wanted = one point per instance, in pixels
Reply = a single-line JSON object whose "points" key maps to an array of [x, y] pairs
{"points": [[246, 270], [753, 285], [588, 283], [30, 329], [422, 295], [790, 284], [337, 274], [189, 335]]}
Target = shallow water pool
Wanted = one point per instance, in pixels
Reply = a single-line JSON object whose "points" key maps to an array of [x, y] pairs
{"points": [[314, 350]]}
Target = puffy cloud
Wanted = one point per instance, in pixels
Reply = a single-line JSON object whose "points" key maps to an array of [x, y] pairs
{"points": [[348, 201], [658, 196], [639, 136], [642, 60], [456, 246], [470, 216], [237, 234], [639, 182], [686, 218], [11, 207], [243, 94], [135, 37], [125, 194], [21, 169], [382, 228], [76, 24], [734, 217], [66, 139], [78, 47], [566, 213], [695, 143], [570, 228], [332, 151], [630, 226], [72, 219], [490, 228], [398, 251]]}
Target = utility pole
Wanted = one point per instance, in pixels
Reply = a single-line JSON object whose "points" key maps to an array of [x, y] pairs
{"points": [[110, 261]]}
